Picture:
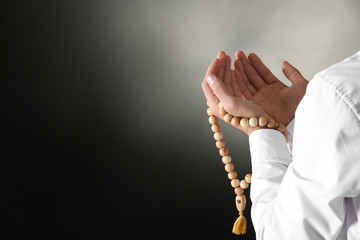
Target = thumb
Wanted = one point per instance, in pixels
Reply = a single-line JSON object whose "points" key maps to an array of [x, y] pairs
{"points": [[292, 73], [219, 89], [234, 106]]}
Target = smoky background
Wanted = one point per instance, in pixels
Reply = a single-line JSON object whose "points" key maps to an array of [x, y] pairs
{"points": [[105, 132]]}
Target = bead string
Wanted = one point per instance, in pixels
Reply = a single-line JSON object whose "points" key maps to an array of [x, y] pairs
{"points": [[239, 186]]}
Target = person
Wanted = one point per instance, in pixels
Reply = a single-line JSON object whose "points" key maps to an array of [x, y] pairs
{"points": [[308, 187]]}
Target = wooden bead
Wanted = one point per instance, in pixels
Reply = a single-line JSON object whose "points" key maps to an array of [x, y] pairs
{"points": [[228, 117], [226, 159], [240, 202], [271, 123], [244, 122], [235, 183], [220, 143], [232, 175], [262, 122], [229, 167], [220, 105], [243, 184], [235, 121], [253, 122], [209, 112], [222, 111], [238, 191], [213, 119], [281, 127], [248, 178], [215, 127], [223, 151], [218, 135]]}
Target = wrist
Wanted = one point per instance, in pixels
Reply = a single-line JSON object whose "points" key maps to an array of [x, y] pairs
{"points": [[249, 125], [283, 131], [249, 130]]}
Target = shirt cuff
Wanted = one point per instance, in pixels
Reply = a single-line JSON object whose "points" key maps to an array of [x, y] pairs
{"points": [[268, 144], [290, 129]]}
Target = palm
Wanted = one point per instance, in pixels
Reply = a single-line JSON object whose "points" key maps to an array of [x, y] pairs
{"points": [[275, 99], [256, 83]]}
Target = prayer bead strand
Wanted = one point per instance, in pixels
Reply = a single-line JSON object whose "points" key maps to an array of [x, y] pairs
{"points": [[239, 185], [252, 122]]}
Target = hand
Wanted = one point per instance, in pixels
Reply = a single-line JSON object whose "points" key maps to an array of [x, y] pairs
{"points": [[256, 83], [221, 84]]}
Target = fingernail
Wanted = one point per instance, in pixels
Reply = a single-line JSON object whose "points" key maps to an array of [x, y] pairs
{"points": [[210, 79], [284, 64]]}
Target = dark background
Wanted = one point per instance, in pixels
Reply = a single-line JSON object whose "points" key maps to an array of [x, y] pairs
{"points": [[104, 130]]}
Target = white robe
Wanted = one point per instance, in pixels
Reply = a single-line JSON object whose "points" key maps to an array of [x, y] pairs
{"points": [[310, 189]]}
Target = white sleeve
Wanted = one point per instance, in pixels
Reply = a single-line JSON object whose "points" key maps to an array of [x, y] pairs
{"points": [[290, 129], [270, 160], [302, 196]]}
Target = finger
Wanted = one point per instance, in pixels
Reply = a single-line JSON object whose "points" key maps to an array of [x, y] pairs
{"points": [[253, 76], [209, 95], [211, 99], [235, 85], [219, 89], [242, 87], [221, 56], [292, 73], [240, 55], [260, 68], [234, 106], [227, 75], [243, 78]]}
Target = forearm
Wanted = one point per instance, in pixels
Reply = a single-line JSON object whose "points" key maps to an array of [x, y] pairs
{"points": [[270, 160]]}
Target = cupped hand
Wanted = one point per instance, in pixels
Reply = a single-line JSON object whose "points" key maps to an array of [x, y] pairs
{"points": [[257, 84], [221, 84]]}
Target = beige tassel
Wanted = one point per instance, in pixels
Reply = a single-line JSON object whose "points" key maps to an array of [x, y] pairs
{"points": [[240, 225]]}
